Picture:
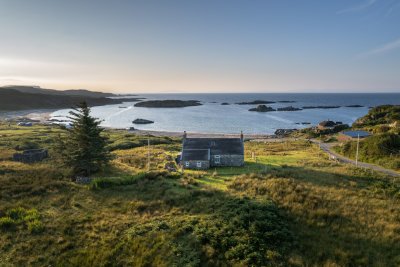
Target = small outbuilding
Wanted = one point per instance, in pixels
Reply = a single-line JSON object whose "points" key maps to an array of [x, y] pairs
{"points": [[352, 135], [31, 155]]}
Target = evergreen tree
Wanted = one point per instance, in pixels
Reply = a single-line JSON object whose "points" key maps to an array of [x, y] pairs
{"points": [[84, 149]]}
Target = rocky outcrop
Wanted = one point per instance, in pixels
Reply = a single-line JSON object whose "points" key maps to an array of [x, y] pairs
{"points": [[320, 107], [284, 132], [256, 102], [262, 108], [354, 106], [83, 180], [142, 121], [168, 103], [225, 104], [289, 108]]}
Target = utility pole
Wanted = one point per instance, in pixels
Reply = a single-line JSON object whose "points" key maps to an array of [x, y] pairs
{"points": [[358, 144], [148, 153]]}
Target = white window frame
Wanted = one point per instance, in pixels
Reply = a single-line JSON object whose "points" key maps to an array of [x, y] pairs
{"points": [[198, 164], [217, 159], [187, 163]]}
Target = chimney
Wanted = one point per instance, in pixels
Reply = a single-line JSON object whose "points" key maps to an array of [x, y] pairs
{"points": [[241, 135]]}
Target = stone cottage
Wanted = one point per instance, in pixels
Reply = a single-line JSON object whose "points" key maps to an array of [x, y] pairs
{"points": [[203, 153]]}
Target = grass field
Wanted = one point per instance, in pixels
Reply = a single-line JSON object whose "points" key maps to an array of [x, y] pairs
{"points": [[288, 206]]}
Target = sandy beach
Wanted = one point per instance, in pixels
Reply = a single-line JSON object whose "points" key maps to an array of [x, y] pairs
{"points": [[41, 115]]}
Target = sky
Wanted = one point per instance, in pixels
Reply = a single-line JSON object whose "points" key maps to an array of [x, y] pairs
{"points": [[189, 46]]}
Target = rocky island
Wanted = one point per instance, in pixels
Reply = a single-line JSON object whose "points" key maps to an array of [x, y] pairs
{"points": [[256, 102], [289, 108], [168, 103], [142, 121], [354, 106], [225, 104], [262, 108], [320, 107]]}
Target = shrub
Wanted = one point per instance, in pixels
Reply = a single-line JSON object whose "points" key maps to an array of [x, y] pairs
{"points": [[26, 145], [35, 226], [7, 223], [21, 216], [124, 145], [106, 182]]}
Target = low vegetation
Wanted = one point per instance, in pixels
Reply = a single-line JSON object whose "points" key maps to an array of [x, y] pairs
{"points": [[380, 115], [288, 206], [381, 149]]}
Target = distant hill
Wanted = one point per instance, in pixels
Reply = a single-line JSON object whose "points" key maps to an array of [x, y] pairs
{"points": [[39, 90], [12, 99]]}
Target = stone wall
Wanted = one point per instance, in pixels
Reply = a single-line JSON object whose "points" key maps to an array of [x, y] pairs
{"points": [[205, 164], [227, 160]]}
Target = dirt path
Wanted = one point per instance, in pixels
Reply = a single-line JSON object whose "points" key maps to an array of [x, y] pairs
{"points": [[327, 147]]}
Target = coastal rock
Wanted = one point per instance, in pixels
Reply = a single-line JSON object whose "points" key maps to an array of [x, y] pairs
{"points": [[225, 104], [284, 132], [320, 107], [168, 103], [354, 106], [83, 180], [255, 102], [142, 121], [289, 108], [262, 108]]}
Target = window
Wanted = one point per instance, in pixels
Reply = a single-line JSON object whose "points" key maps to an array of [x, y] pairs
{"points": [[187, 163], [217, 159], [199, 164]]}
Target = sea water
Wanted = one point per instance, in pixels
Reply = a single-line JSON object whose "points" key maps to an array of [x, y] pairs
{"points": [[212, 117]]}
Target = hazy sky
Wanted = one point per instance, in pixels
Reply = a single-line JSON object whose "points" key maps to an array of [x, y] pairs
{"points": [[202, 46]]}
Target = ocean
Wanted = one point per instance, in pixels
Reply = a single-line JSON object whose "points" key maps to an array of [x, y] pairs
{"points": [[212, 117]]}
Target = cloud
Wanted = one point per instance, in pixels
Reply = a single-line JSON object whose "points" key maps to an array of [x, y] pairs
{"points": [[382, 49], [357, 8]]}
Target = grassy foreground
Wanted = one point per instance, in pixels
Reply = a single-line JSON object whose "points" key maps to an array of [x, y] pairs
{"points": [[290, 206]]}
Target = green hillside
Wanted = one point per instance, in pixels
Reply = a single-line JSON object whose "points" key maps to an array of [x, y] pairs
{"points": [[11, 99], [289, 207], [380, 115]]}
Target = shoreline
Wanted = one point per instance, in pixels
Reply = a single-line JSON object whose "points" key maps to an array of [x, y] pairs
{"points": [[42, 115], [199, 135]]}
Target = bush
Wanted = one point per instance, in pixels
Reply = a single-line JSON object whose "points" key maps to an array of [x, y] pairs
{"points": [[106, 182], [7, 223], [26, 145], [35, 226], [21, 216], [382, 149], [124, 145]]}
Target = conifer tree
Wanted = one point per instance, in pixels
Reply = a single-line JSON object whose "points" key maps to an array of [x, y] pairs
{"points": [[84, 149]]}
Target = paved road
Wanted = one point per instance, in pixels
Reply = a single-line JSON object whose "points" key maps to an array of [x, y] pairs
{"points": [[327, 147]]}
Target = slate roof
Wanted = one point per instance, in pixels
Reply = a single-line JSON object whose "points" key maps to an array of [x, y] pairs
{"points": [[217, 146], [354, 134], [195, 154]]}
